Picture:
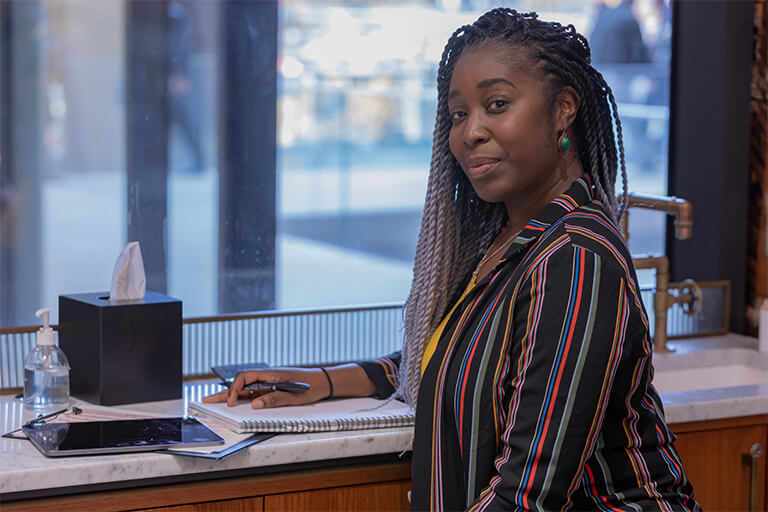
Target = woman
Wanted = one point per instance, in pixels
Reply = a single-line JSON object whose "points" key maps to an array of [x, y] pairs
{"points": [[527, 354]]}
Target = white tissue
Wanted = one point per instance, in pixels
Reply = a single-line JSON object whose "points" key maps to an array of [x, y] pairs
{"points": [[128, 279]]}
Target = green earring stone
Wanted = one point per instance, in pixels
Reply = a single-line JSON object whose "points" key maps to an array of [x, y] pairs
{"points": [[565, 143]]}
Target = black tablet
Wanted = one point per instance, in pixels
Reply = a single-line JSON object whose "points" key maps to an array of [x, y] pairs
{"points": [[97, 437]]}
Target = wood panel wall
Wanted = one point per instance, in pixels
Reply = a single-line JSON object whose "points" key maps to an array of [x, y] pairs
{"points": [[757, 252]]}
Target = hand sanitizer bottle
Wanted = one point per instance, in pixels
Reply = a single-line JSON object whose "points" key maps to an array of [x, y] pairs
{"points": [[46, 373]]}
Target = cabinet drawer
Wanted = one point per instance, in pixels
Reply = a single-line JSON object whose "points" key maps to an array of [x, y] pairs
{"points": [[240, 505], [718, 464], [370, 497]]}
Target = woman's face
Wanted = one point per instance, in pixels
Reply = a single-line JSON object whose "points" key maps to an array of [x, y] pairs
{"points": [[503, 132]]}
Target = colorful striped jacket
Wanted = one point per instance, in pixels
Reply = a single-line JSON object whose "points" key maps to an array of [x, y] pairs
{"points": [[539, 394]]}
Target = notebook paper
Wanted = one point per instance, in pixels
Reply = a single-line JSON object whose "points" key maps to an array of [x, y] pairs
{"points": [[328, 415]]}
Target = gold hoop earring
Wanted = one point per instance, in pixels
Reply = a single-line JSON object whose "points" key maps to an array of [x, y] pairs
{"points": [[563, 142]]}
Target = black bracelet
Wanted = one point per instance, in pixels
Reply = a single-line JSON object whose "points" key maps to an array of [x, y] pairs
{"points": [[330, 384]]}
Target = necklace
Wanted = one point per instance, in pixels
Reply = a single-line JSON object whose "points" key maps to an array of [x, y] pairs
{"points": [[490, 255]]}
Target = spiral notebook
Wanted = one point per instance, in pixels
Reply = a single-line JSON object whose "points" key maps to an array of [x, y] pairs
{"points": [[328, 415]]}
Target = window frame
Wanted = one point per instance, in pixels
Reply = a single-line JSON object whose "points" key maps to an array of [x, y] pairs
{"points": [[708, 147], [709, 142]]}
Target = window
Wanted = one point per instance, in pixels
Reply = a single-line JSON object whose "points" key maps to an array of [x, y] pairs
{"points": [[267, 156]]}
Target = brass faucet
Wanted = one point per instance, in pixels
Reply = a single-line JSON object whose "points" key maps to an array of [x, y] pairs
{"points": [[688, 292], [680, 209]]}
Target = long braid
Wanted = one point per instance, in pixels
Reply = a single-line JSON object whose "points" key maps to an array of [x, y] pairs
{"points": [[457, 227], [433, 275]]}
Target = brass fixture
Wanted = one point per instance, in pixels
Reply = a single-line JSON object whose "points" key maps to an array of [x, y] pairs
{"points": [[680, 209], [752, 459], [688, 293]]}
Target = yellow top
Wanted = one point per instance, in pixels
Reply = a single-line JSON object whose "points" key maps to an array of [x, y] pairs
{"points": [[432, 343]]}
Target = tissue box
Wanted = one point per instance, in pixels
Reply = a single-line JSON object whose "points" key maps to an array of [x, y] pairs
{"points": [[122, 351]]}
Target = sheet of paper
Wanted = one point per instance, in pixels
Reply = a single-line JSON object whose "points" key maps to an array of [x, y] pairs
{"points": [[100, 413], [230, 437], [90, 412]]}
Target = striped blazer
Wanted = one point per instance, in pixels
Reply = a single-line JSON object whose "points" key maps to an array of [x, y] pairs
{"points": [[539, 395]]}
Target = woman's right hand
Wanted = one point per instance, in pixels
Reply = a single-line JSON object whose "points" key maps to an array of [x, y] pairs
{"points": [[319, 388]]}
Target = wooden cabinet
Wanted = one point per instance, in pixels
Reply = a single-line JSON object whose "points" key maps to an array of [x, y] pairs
{"points": [[382, 496], [388, 496], [242, 505], [360, 487], [377, 496], [717, 458]]}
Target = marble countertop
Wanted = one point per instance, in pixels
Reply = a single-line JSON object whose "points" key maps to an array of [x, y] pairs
{"points": [[730, 352], [25, 472]]}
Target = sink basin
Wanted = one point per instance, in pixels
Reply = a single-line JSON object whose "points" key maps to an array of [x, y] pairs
{"points": [[720, 376]]}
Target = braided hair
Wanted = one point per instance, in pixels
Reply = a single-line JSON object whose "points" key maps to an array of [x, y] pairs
{"points": [[457, 226]]}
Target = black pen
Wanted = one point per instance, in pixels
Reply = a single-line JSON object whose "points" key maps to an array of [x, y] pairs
{"points": [[41, 419], [293, 387]]}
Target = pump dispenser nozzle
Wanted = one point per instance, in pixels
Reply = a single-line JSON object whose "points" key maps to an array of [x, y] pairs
{"points": [[45, 334], [46, 372]]}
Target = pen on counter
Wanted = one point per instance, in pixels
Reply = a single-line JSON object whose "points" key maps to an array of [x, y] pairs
{"points": [[41, 419]]}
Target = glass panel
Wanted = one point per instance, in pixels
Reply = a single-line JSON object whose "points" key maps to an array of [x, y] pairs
{"points": [[193, 181], [357, 104], [355, 112], [82, 178]]}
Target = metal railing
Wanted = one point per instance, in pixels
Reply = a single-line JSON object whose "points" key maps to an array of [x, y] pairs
{"points": [[291, 337], [273, 337], [326, 335]]}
